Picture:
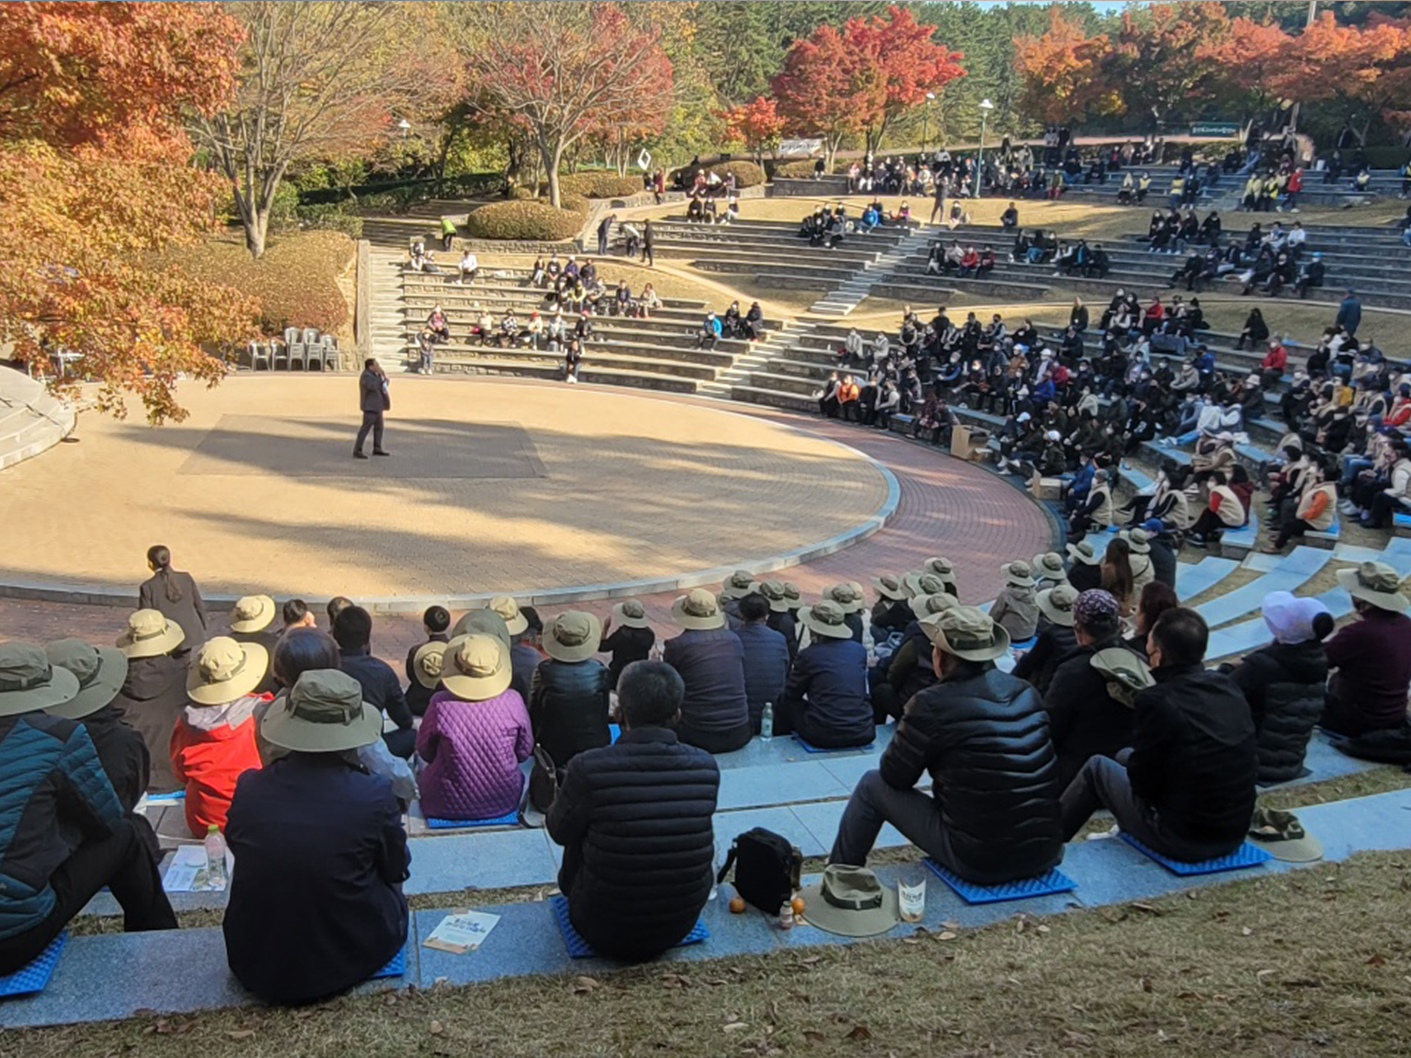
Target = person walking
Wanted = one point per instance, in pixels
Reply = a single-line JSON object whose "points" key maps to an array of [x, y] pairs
{"points": [[605, 232], [375, 401], [175, 595], [648, 234]]}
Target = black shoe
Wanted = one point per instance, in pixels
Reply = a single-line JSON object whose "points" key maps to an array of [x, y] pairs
{"points": [[380, 452], [359, 455]]}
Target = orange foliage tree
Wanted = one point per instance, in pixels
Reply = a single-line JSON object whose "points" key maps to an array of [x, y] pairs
{"points": [[1063, 73], [95, 180], [902, 57], [1247, 64], [757, 124]]}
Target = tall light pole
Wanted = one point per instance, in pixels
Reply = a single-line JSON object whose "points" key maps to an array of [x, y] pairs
{"points": [[925, 118], [985, 107]]}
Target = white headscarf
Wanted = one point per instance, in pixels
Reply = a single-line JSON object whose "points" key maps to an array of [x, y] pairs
{"points": [[1290, 617]]}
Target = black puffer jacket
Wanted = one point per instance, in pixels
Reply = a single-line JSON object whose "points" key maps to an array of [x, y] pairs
{"points": [[1039, 664], [634, 820], [983, 736], [568, 707], [1285, 685], [1084, 720]]}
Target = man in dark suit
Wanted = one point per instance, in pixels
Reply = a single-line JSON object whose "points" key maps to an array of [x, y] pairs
{"points": [[374, 400]]}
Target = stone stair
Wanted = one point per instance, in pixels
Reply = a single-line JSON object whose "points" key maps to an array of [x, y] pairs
{"points": [[848, 295], [756, 359], [32, 419], [388, 305]]}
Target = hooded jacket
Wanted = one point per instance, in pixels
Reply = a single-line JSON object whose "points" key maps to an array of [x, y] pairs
{"points": [[211, 747], [1285, 685]]}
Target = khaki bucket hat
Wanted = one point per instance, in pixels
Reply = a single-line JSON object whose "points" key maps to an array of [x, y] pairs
{"points": [[150, 633], [225, 670], [515, 622], [846, 597], [629, 614], [1018, 574], [1056, 604], [851, 902], [792, 593], [252, 613], [966, 632], [1126, 672], [925, 605], [323, 712], [427, 663], [482, 622], [923, 584], [698, 609], [1138, 539], [101, 672], [572, 636], [1049, 566], [941, 567], [1083, 552], [774, 593], [826, 619], [890, 587], [476, 667], [1375, 583], [738, 584], [29, 681]]}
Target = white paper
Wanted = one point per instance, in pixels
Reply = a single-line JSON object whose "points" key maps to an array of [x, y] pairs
{"points": [[461, 931], [187, 871]]}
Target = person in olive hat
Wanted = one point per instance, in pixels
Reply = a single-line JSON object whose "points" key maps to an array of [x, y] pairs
{"points": [[891, 612], [435, 623], [781, 615], [568, 697], [715, 713], [1055, 638], [101, 672], [67, 835], [153, 696], [1371, 657], [825, 697], [632, 639]]}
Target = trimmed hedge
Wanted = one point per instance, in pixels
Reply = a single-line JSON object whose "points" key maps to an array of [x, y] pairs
{"points": [[747, 174], [531, 221], [569, 201], [521, 194], [794, 170], [598, 185]]}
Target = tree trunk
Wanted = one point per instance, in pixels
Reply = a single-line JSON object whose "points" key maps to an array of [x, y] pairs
{"points": [[255, 230], [552, 154]]}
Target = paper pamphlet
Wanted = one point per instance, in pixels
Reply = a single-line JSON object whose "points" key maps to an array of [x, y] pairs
{"points": [[461, 931], [187, 871]]}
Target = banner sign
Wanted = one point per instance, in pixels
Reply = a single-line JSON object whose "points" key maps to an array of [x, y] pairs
{"points": [[1215, 128], [801, 146]]}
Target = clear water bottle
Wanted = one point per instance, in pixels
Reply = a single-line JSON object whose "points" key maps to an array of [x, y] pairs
{"points": [[215, 858], [766, 722]]}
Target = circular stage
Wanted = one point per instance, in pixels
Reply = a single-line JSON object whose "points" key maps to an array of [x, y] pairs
{"points": [[538, 490]]}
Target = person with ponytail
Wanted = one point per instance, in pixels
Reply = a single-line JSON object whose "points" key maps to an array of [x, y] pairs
{"points": [[175, 595]]}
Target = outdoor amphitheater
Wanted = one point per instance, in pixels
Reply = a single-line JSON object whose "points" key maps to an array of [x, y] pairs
{"points": [[967, 383]]}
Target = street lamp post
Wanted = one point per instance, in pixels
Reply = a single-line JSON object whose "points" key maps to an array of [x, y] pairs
{"points": [[985, 107], [925, 119]]}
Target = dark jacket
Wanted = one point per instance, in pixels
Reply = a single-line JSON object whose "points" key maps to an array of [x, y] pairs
{"points": [[151, 700], [712, 664], [634, 820], [370, 395], [627, 645], [189, 611], [1084, 720], [381, 688], [568, 707], [52, 791], [1084, 577], [1285, 686], [1194, 755], [891, 615], [1039, 664], [125, 757], [1372, 659], [524, 659], [983, 736], [1163, 561], [766, 667], [316, 903], [826, 696], [419, 697], [783, 622]]}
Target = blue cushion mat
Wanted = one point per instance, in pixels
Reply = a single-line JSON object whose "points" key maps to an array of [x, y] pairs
{"points": [[35, 976], [614, 731], [1046, 884], [578, 948], [810, 748], [397, 967], [509, 819], [1246, 855], [166, 798]]}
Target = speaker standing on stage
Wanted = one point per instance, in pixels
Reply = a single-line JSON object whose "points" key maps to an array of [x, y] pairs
{"points": [[375, 401]]}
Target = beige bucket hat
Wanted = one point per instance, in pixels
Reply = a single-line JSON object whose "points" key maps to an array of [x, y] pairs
{"points": [[925, 605], [792, 593], [941, 567], [1375, 583], [848, 598], [101, 672], [851, 902], [476, 667], [774, 593], [1138, 539], [826, 619], [629, 614], [482, 622], [1018, 574], [1056, 604], [29, 681], [225, 670], [427, 663], [515, 622], [150, 634], [1083, 552], [1127, 673], [890, 587], [572, 636], [1049, 566], [966, 632], [923, 584], [252, 613], [323, 712], [738, 584], [699, 609]]}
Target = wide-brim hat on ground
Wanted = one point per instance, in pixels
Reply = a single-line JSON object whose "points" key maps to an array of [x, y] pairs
{"points": [[923, 584], [1282, 836], [924, 606], [428, 663], [629, 614], [28, 681], [252, 613], [1375, 583], [966, 632], [776, 595], [476, 667], [515, 622], [845, 597], [851, 902], [1056, 604], [1139, 540], [572, 636], [1083, 552], [1049, 566], [738, 584], [323, 712], [482, 623], [890, 587], [826, 619], [150, 633], [101, 672], [697, 609], [1018, 574], [225, 670]]}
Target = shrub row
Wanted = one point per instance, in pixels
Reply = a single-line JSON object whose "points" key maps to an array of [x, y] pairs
{"points": [[600, 184], [747, 174], [794, 170], [523, 220]]}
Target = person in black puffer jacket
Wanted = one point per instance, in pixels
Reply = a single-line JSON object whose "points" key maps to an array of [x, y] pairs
{"points": [[1285, 683], [993, 814], [568, 696], [1056, 638], [634, 820]]}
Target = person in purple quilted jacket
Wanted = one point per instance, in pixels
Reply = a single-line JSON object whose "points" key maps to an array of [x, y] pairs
{"points": [[474, 735]]}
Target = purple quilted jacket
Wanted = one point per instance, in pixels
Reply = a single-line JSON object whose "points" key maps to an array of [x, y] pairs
{"points": [[473, 750]]}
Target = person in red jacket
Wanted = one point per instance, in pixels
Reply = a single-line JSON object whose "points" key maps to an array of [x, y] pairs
{"points": [[214, 740], [1272, 367]]}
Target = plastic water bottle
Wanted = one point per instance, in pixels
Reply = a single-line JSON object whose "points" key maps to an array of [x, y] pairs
{"points": [[766, 723], [215, 858]]}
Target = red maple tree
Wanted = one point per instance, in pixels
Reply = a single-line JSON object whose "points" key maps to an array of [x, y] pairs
{"points": [[904, 59], [757, 124]]}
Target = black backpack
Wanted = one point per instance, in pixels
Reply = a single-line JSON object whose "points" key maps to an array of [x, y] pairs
{"points": [[767, 868]]}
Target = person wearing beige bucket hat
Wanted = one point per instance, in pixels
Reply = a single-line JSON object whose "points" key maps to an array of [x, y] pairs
{"points": [[1055, 636], [153, 696], [850, 598], [715, 713], [1017, 607], [1371, 657], [345, 843], [923, 583], [65, 848], [475, 734], [945, 569], [909, 669], [251, 621], [983, 736], [568, 697], [435, 621], [1084, 565], [1048, 570], [101, 673], [214, 738], [825, 696], [627, 636], [891, 612]]}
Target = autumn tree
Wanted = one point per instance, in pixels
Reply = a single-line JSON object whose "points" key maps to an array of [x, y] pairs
{"points": [[95, 181], [319, 79], [825, 90], [1160, 60], [899, 53], [565, 71], [1247, 64], [757, 124], [1063, 72]]}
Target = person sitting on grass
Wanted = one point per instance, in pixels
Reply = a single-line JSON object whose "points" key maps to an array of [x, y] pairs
{"points": [[634, 820], [1185, 788], [825, 699]]}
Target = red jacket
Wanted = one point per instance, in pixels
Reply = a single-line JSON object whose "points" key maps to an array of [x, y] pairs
{"points": [[211, 746], [1276, 358]]}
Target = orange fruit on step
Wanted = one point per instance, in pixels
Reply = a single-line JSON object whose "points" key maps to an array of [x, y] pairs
{"points": [[737, 905]]}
